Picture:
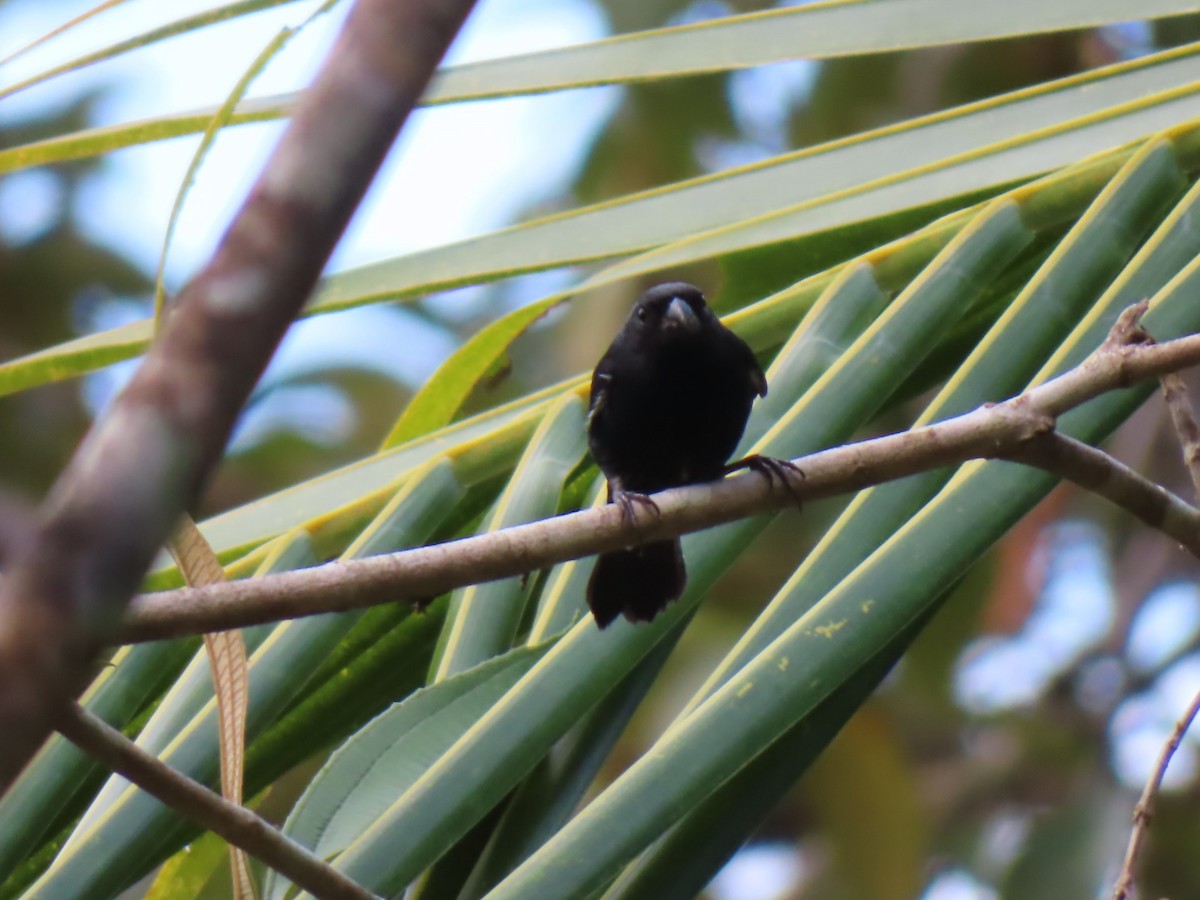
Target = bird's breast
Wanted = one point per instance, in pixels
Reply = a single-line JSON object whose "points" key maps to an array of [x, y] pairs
{"points": [[673, 424]]}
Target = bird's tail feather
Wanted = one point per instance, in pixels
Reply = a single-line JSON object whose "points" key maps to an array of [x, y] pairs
{"points": [[638, 582]]}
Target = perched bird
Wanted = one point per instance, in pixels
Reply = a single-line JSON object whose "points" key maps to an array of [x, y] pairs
{"points": [[669, 403]]}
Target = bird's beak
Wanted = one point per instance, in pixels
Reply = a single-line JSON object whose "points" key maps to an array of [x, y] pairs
{"points": [[680, 314]]}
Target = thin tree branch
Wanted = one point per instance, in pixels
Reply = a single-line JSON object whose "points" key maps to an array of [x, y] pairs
{"points": [[1110, 478], [1176, 394], [1144, 810], [1180, 405], [147, 459], [236, 824], [1016, 427]]}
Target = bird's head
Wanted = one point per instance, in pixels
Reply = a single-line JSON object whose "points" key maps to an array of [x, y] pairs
{"points": [[672, 309]]}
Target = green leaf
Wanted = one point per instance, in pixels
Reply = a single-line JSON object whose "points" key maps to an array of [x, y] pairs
{"points": [[686, 859], [392, 667], [581, 669], [339, 503], [392, 752], [192, 689], [1012, 137], [484, 618], [441, 397], [188, 872], [126, 832], [1064, 288], [145, 39], [824, 648], [1054, 299], [551, 793], [487, 444], [817, 31], [831, 29], [53, 788]]}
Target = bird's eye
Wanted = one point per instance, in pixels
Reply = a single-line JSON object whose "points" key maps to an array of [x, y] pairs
{"points": [[641, 313]]}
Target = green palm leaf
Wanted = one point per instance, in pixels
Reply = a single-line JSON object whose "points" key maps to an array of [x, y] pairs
{"points": [[993, 142]]}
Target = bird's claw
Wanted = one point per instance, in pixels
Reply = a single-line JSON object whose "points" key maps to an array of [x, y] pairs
{"points": [[771, 468], [627, 500]]}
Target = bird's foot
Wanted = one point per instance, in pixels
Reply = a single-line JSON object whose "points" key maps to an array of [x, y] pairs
{"points": [[772, 469], [627, 500]]}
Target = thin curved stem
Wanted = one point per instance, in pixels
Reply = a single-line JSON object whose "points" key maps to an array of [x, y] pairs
{"points": [[236, 824]]}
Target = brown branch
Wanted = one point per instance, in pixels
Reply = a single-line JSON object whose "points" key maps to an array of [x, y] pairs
{"points": [[236, 824], [1003, 430], [147, 459], [1180, 405], [1144, 810], [1110, 478], [1176, 394]]}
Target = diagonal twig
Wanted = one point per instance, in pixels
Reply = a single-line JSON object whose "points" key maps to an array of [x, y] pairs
{"points": [[1144, 810], [236, 824], [1111, 479]]}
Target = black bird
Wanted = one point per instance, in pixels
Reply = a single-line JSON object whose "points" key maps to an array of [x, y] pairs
{"points": [[669, 403]]}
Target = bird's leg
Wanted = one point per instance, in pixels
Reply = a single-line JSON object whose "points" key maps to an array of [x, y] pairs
{"points": [[628, 499], [771, 468]]}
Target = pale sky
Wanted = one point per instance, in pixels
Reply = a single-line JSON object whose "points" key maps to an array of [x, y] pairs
{"points": [[458, 170]]}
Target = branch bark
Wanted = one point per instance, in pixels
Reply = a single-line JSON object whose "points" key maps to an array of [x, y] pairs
{"points": [[1188, 430], [1180, 405], [1110, 478], [1144, 810], [236, 824], [147, 459], [1018, 429]]}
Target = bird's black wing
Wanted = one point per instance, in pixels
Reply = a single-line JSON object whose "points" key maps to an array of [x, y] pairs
{"points": [[749, 364], [758, 380], [599, 394]]}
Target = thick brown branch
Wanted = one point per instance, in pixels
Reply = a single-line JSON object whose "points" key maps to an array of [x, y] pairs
{"points": [[1005, 430], [146, 460], [236, 824]]}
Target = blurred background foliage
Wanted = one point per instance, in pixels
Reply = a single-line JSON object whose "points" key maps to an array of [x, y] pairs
{"points": [[999, 759]]}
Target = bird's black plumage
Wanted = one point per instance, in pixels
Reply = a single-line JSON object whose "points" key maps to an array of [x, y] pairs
{"points": [[669, 404]]}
